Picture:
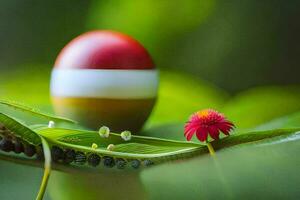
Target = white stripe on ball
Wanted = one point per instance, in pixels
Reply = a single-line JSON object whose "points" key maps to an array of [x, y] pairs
{"points": [[104, 83]]}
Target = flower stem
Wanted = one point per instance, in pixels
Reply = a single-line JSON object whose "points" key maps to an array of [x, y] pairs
{"points": [[210, 149]]}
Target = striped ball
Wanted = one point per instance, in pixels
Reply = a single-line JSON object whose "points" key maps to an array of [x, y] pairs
{"points": [[105, 78]]}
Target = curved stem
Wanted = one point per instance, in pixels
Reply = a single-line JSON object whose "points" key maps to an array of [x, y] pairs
{"points": [[47, 170]]}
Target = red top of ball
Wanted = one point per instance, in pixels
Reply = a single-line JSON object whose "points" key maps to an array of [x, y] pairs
{"points": [[104, 50]]}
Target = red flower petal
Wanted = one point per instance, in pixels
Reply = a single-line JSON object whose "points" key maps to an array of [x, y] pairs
{"points": [[214, 132], [225, 128], [190, 128], [189, 135], [202, 134]]}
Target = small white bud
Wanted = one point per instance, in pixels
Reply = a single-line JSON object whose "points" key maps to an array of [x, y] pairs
{"points": [[94, 146], [104, 132], [126, 135], [51, 124], [110, 147]]}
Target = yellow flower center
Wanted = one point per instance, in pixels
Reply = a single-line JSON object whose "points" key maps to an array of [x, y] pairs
{"points": [[203, 113]]}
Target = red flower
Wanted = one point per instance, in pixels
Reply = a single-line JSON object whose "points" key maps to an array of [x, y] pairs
{"points": [[206, 122]]}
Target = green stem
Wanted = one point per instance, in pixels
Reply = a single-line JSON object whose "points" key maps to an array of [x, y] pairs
{"points": [[210, 148], [47, 170]]}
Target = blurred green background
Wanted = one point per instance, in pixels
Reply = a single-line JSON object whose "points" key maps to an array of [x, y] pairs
{"points": [[240, 57], [233, 44]]}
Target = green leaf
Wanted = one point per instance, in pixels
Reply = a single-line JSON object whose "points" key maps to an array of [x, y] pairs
{"points": [[261, 170], [137, 148], [35, 112], [230, 171], [20, 129], [251, 137]]}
